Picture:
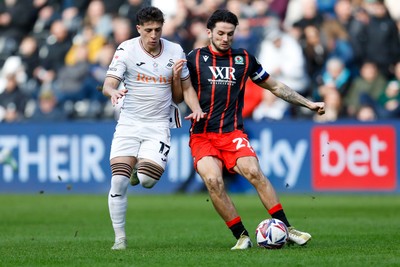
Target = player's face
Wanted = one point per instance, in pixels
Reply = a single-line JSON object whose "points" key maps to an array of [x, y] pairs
{"points": [[221, 36], [150, 34]]}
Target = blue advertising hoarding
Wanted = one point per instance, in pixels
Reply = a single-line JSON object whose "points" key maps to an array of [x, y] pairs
{"points": [[297, 156]]}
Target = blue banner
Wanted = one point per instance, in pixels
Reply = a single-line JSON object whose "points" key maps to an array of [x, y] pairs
{"points": [[297, 156]]}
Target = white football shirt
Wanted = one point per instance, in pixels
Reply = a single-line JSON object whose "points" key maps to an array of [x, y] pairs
{"points": [[148, 79]]}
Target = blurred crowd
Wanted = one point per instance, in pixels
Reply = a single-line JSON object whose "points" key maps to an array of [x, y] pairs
{"points": [[54, 54]]}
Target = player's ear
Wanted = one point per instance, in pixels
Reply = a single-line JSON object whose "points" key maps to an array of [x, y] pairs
{"points": [[138, 28], [209, 33]]}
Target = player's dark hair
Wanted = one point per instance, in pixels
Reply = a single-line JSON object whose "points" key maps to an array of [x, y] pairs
{"points": [[149, 13], [222, 15]]}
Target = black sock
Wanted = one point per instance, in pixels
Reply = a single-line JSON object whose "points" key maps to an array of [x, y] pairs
{"points": [[238, 230], [280, 215]]}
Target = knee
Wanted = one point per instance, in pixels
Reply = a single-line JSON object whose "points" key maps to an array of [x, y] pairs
{"points": [[146, 181], [253, 174], [214, 184], [149, 173]]}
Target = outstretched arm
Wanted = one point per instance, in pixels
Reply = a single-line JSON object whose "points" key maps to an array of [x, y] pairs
{"points": [[183, 90], [283, 91], [110, 89]]}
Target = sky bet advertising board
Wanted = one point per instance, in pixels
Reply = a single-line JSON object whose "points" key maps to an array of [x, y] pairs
{"points": [[297, 156]]}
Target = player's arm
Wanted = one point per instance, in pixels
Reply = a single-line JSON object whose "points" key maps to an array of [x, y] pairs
{"points": [[110, 89], [185, 91], [177, 94], [283, 91], [190, 96]]}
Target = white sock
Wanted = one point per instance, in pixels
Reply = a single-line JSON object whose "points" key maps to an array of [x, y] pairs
{"points": [[118, 203]]}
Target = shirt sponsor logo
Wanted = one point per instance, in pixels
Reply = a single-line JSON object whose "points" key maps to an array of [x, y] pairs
{"points": [[354, 158], [222, 75], [153, 79]]}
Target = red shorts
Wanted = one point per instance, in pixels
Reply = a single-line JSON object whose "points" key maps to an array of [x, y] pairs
{"points": [[227, 147]]}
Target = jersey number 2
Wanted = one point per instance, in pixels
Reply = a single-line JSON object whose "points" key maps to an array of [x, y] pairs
{"points": [[242, 142]]}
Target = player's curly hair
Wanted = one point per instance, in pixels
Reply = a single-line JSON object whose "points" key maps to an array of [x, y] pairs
{"points": [[150, 13], [222, 15]]}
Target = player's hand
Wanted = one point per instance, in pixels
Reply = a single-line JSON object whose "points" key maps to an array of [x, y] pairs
{"points": [[115, 95], [196, 115], [319, 107], [178, 66]]}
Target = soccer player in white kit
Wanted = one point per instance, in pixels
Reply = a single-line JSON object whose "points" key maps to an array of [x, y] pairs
{"points": [[146, 65]]}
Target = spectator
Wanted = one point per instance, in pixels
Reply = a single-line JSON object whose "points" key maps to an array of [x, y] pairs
{"points": [[16, 20], [310, 17], [337, 43], [93, 42], [246, 38], [276, 51], [389, 101], [96, 17], [52, 54], [370, 84], [121, 30], [29, 54], [387, 106], [67, 86], [345, 15], [198, 35], [336, 81], [47, 109], [112, 7], [71, 18], [315, 53], [380, 32], [264, 20], [129, 9], [12, 101], [95, 78]]}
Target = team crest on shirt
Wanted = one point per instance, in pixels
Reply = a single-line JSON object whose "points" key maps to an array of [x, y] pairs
{"points": [[170, 64], [239, 60]]}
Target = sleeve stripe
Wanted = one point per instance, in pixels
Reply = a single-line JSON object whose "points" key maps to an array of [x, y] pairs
{"points": [[113, 76], [185, 78]]}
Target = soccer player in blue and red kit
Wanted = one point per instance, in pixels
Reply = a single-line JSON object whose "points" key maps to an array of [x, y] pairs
{"points": [[218, 74]]}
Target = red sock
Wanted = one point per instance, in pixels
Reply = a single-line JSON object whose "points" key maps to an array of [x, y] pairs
{"points": [[237, 227], [275, 208]]}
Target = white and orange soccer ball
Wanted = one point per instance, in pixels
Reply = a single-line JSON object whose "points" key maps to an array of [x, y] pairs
{"points": [[271, 234]]}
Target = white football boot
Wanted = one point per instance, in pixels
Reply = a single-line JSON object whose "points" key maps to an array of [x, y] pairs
{"points": [[298, 237], [120, 244], [243, 242]]}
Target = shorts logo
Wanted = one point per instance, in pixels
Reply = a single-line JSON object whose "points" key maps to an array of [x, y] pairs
{"points": [[354, 158]]}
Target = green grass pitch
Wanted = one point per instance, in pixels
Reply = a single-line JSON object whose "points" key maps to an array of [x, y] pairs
{"points": [[184, 230]]}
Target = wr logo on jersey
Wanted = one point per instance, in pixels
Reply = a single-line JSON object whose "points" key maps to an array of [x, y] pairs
{"points": [[224, 73]]}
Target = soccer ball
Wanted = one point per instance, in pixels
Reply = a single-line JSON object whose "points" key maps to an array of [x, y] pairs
{"points": [[271, 234]]}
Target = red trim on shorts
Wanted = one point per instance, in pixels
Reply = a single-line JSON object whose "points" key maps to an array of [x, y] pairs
{"points": [[233, 222], [275, 208]]}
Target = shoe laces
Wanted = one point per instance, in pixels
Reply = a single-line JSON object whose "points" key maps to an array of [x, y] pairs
{"points": [[295, 232]]}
